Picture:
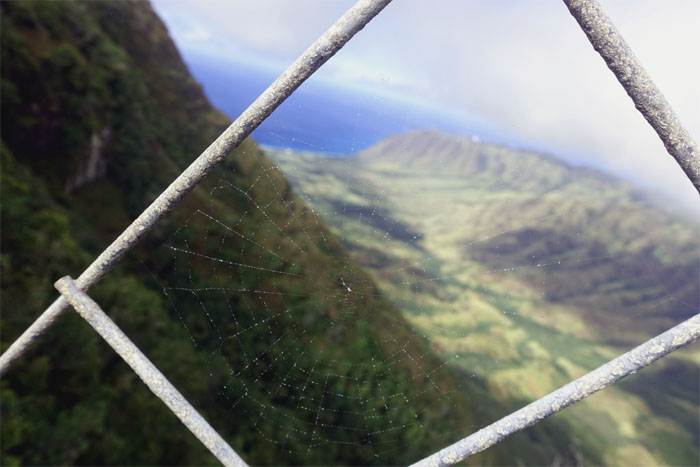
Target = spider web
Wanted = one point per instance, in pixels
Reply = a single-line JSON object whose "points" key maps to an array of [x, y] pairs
{"points": [[288, 326]]}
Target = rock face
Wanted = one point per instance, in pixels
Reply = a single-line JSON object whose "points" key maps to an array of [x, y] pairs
{"points": [[95, 166]]}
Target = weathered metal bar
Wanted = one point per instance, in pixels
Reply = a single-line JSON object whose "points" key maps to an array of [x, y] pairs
{"points": [[624, 365], [311, 60], [142, 366], [648, 99]]}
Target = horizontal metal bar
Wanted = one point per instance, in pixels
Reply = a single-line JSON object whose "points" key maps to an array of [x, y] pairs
{"points": [[311, 60], [613, 371], [142, 366], [647, 97]]}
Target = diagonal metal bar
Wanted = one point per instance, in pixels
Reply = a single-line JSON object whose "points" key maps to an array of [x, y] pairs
{"points": [[142, 366], [613, 371], [311, 60], [647, 97]]}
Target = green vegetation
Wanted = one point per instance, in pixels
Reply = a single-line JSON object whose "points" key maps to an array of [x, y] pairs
{"points": [[527, 273]]}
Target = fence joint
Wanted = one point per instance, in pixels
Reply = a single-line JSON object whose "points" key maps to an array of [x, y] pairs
{"points": [[147, 371]]}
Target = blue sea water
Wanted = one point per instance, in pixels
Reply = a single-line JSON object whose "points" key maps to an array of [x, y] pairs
{"points": [[321, 117]]}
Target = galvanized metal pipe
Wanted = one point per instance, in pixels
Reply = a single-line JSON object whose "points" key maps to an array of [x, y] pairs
{"points": [[311, 60], [142, 366], [626, 364], [647, 97]]}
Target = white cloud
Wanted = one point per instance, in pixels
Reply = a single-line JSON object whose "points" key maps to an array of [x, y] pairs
{"points": [[277, 30]]}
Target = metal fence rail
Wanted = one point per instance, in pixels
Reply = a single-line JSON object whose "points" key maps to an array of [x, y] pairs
{"points": [[620, 59], [647, 97]]}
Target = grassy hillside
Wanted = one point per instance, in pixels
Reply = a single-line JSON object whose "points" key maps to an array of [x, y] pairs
{"points": [[526, 272], [242, 297]]}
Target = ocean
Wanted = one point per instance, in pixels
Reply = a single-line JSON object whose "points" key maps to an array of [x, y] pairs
{"points": [[321, 117]]}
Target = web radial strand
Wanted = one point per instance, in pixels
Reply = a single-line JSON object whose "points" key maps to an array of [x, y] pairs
{"points": [[311, 60]]}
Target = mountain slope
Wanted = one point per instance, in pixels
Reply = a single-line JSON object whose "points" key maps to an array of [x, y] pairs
{"points": [[526, 272]]}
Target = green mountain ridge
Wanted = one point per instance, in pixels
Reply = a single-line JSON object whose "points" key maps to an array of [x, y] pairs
{"points": [[500, 165], [436, 152], [526, 272]]}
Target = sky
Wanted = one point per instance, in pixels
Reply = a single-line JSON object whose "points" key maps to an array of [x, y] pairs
{"points": [[523, 67]]}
